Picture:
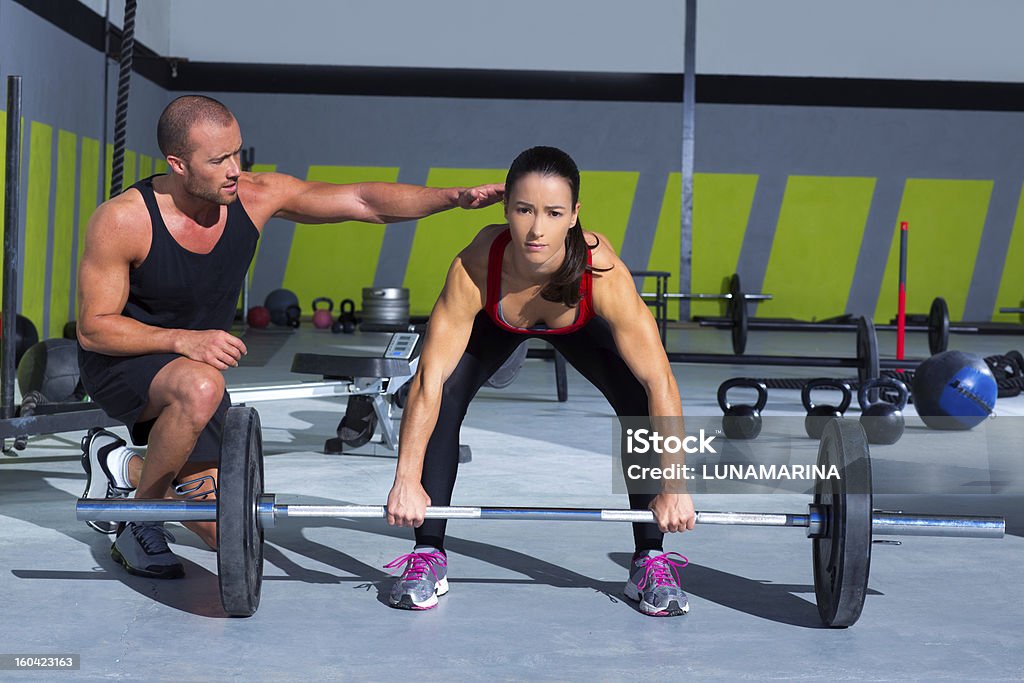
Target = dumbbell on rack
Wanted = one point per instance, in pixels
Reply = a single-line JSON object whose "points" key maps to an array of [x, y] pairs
{"points": [[736, 306]]}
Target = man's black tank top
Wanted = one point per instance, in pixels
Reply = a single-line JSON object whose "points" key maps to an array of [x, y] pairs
{"points": [[180, 289]]}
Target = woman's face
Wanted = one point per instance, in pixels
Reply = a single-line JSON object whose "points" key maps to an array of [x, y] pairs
{"points": [[540, 212]]}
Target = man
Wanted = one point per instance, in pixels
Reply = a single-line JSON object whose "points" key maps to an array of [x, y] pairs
{"points": [[157, 287]]}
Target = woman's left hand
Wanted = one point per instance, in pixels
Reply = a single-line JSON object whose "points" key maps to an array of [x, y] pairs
{"points": [[673, 512]]}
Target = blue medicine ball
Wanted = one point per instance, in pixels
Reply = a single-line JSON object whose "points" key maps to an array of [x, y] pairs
{"points": [[278, 302], [954, 390]]}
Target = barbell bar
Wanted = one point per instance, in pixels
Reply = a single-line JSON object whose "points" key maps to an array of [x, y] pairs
{"points": [[726, 297], [270, 512]]}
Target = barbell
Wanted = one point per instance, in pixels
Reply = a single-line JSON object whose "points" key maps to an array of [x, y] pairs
{"points": [[938, 326], [867, 361], [736, 304], [839, 521]]}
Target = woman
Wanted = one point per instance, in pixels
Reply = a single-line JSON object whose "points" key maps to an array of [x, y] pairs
{"points": [[539, 275]]}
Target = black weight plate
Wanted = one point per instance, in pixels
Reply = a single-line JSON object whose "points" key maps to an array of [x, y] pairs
{"points": [[842, 555], [509, 370], [737, 312], [867, 350], [938, 326], [239, 535]]}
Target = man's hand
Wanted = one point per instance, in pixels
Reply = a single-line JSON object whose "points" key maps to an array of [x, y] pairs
{"points": [[407, 504], [673, 512], [213, 347], [481, 196]]}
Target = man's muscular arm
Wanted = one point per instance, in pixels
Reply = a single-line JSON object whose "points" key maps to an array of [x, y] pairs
{"points": [[117, 238], [282, 196]]}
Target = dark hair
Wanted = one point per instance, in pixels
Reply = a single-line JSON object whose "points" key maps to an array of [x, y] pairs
{"points": [[564, 285], [177, 119]]}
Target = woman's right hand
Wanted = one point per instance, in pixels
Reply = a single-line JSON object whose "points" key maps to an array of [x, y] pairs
{"points": [[407, 504]]}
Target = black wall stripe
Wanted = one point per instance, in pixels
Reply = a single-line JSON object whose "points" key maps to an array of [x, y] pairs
{"points": [[184, 76]]}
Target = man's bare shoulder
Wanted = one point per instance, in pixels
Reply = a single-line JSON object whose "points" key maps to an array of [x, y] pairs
{"points": [[124, 217], [263, 186], [263, 194], [119, 231], [268, 180]]}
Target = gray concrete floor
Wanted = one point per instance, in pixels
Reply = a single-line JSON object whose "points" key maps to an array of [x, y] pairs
{"points": [[531, 600]]}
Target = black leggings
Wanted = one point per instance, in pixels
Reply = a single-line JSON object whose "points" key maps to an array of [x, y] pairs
{"points": [[591, 350]]}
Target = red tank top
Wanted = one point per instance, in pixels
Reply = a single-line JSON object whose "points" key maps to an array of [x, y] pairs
{"points": [[583, 314]]}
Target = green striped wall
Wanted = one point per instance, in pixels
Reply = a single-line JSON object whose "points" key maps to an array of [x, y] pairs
{"points": [[817, 240], [37, 221], [810, 267], [1011, 288], [946, 218], [89, 186], [721, 210], [336, 260], [440, 237], [63, 233]]}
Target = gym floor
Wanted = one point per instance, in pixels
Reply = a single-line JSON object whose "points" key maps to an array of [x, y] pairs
{"points": [[531, 600]]}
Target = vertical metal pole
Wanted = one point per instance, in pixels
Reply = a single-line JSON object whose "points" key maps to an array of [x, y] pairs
{"points": [[689, 111], [12, 184], [901, 304]]}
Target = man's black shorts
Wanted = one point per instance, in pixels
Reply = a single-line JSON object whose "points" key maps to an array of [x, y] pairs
{"points": [[120, 385]]}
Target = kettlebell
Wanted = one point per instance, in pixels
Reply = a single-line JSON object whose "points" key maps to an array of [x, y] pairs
{"points": [[346, 322], [883, 421], [818, 416], [322, 316], [293, 315], [742, 421]]}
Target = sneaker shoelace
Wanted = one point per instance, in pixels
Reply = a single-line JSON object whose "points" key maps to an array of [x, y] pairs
{"points": [[153, 537], [418, 564], [661, 570]]}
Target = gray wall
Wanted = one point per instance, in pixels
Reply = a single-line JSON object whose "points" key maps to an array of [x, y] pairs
{"points": [[912, 39], [64, 82]]}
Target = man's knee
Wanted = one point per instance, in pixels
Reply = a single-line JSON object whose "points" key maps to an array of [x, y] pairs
{"points": [[196, 388], [206, 392]]}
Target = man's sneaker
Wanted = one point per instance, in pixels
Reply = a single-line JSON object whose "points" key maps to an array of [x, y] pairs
{"points": [[424, 579], [141, 548], [105, 459], [654, 583]]}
